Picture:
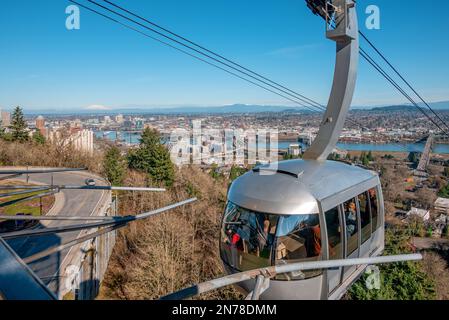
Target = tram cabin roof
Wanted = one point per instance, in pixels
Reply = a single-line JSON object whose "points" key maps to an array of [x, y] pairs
{"points": [[299, 187]]}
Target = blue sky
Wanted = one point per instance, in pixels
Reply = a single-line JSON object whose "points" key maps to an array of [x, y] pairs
{"points": [[43, 65]]}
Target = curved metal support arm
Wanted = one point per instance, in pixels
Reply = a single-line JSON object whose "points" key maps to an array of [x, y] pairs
{"points": [[346, 36]]}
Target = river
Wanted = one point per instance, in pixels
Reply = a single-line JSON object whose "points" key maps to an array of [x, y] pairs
{"points": [[133, 138]]}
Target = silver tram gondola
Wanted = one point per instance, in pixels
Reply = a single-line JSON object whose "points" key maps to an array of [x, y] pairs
{"points": [[311, 209], [303, 211]]}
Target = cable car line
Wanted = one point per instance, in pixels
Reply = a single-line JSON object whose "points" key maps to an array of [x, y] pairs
{"points": [[196, 57], [371, 61], [303, 103], [287, 203], [385, 74], [196, 50], [403, 79], [295, 94], [214, 53], [317, 107]]}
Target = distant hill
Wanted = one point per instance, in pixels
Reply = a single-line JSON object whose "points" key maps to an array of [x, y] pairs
{"points": [[442, 105], [392, 108], [236, 108], [230, 109]]}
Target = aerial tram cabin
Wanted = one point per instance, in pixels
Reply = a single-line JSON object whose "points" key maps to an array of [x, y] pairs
{"points": [[312, 209], [299, 211]]}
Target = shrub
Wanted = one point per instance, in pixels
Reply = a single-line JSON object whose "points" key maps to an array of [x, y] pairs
{"points": [[399, 281], [114, 166]]}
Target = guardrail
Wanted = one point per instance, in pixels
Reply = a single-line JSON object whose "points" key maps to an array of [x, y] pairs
{"points": [[263, 275]]}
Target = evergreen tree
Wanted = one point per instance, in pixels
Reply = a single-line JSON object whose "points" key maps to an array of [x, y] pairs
{"points": [[38, 138], [18, 126], [446, 231], [362, 157], [365, 160], [153, 158], [2, 130], [214, 172], [236, 172], [446, 172], [414, 157], [444, 192], [114, 166]]}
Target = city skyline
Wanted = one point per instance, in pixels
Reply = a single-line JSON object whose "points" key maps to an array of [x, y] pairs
{"points": [[103, 66]]}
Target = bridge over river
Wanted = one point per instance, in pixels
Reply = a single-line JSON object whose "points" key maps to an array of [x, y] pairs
{"points": [[421, 170]]}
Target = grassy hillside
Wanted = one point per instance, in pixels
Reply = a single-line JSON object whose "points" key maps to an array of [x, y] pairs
{"points": [[172, 251]]}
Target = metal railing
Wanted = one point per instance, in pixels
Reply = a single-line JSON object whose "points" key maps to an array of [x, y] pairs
{"points": [[263, 275]]}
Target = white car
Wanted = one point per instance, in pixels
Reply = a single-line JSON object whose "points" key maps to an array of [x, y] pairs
{"points": [[90, 182]]}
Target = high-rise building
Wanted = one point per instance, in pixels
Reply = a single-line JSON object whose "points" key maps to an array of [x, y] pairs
{"points": [[107, 119], [294, 150], [119, 118], [79, 139], [40, 125], [6, 118], [140, 124]]}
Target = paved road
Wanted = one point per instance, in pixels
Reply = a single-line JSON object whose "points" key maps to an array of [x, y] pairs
{"points": [[69, 203]]}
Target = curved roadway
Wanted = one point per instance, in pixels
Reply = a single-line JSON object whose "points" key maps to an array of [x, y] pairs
{"points": [[68, 203]]}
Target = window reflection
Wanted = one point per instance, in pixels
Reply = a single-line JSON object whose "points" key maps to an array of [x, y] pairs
{"points": [[299, 239], [374, 209], [365, 218], [334, 234], [247, 238], [350, 209]]}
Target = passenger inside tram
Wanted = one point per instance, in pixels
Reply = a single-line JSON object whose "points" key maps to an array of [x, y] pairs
{"points": [[350, 209], [253, 240], [374, 208], [351, 217], [300, 237]]}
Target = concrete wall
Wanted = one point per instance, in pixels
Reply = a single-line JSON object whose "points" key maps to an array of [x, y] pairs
{"points": [[88, 262]]}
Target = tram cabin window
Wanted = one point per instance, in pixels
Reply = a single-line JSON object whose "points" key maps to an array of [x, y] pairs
{"points": [[334, 234], [298, 240], [350, 213], [251, 240], [365, 216], [374, 204], [247, 238]]}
